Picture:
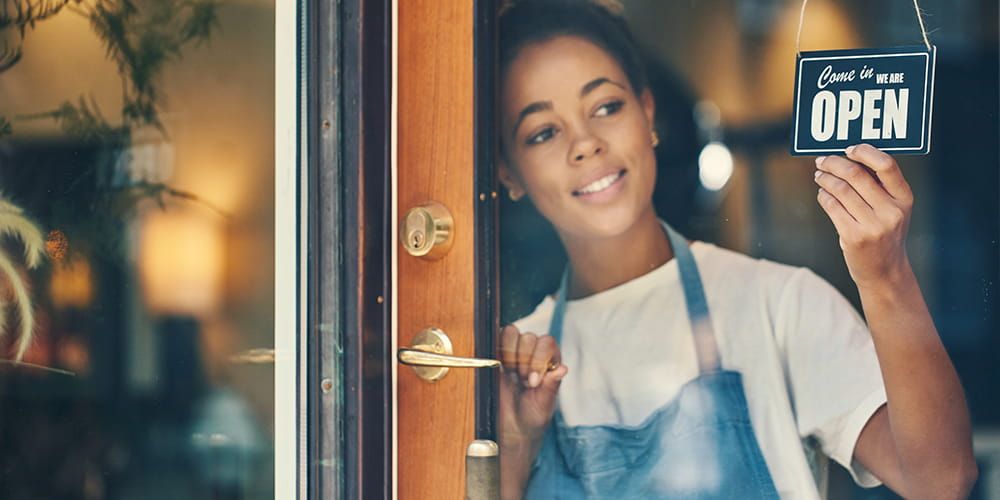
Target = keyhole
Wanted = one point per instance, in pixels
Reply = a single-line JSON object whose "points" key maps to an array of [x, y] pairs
{"points": [[417, 238]]}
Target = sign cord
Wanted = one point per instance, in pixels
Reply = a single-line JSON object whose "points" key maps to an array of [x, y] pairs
{"points": [[802, 17]]}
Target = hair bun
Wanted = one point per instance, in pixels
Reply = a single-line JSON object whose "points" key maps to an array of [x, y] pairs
{"points": [[612, 6]]}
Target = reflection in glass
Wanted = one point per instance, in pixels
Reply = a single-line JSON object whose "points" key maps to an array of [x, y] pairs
{"points": [[136, 244]]}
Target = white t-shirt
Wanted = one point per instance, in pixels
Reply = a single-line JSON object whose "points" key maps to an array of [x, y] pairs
{"points": [[807, 359]]}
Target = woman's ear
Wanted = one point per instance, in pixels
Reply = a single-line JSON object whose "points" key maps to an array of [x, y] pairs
{"points": [[648, 106], [515, 189]]}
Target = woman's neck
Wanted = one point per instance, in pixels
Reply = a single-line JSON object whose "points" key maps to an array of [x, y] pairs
{"points": [[597, 265]]}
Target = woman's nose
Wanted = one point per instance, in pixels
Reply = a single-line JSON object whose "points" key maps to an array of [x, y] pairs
{"points": [[585, 146]]}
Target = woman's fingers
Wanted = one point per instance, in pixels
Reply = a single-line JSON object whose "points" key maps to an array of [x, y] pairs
{"points": [[550, 380], [856, 206], [528, 357], [508, 346], [860, 178], [525, 350], [838, 214], [546, 354], [885, 168]]}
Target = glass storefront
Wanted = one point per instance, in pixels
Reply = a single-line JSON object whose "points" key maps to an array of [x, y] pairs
{"points": [[137, 245]]}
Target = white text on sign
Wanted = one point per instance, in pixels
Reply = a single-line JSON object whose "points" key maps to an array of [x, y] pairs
{"points": [[832, 113]]}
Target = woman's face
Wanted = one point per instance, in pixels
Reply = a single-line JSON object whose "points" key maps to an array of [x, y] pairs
{"points": [[577, 138]]}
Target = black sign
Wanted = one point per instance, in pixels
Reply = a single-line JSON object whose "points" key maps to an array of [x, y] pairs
{"points": [[882, 97]]}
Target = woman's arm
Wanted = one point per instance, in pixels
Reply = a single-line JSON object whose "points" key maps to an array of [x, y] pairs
{"points": [[919, 443], [529, 383]]}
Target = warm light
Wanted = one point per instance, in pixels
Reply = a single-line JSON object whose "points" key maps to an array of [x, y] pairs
{"points": [[71, 284], [715, 166], [180, 261]]}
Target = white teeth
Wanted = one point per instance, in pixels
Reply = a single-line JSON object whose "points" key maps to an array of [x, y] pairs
{"points": [[600, 184]]}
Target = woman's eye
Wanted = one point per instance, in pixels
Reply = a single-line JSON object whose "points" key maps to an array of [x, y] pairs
{"points": [[542, 136], [609, 108]]}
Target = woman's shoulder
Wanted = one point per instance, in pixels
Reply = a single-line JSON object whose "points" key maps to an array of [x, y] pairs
{"points": [[732, 273], [721, 269], [718, 263]]}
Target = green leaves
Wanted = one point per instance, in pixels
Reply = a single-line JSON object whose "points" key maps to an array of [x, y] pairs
{"points": [[142, 41], [141, 38]]}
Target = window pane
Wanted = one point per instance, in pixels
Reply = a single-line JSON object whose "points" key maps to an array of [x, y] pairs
{"points": [[137, 250]]}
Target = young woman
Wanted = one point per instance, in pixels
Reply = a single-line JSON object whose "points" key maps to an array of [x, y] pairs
{"points": [[662, 368]]}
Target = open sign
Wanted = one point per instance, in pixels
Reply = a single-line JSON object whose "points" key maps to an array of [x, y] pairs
{"points": [[883, 97]]}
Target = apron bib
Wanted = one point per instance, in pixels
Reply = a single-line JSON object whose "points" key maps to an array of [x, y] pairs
{"points": [[701, 445]]}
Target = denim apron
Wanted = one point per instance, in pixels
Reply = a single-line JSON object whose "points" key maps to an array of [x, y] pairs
{"points": [[700, 446]]}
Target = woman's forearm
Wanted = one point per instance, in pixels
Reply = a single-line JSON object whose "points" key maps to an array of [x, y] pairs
{"points": [[926, 407], [515, 470]]}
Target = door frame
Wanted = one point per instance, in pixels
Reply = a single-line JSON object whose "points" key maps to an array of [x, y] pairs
{"points": [[364, 146], [289, 277], [331, 168], [352, 164], [487, 213]]}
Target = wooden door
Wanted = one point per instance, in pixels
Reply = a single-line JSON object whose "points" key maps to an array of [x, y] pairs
{"points": [[439, 159]]}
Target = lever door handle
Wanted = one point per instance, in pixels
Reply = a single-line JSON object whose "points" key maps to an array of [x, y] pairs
{"points": [[431, 356], [414, 356]]}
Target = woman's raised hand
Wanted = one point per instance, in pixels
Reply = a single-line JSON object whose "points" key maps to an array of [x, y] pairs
{"points": [[870, 204], [532, 372]]}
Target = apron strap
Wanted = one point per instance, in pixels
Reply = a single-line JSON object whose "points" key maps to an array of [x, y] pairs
{"points": [[697, 305], [705, 346]]}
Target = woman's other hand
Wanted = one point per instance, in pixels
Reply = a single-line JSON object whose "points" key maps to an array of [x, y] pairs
{"points": [[532, 372], [869, 202], [920, 444]]}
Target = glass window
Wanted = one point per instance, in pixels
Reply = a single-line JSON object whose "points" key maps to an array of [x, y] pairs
{"points": [[137, 249]]}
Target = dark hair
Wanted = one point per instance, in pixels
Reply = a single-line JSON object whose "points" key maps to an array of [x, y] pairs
{"points": [[524, 22], [532, 257]]}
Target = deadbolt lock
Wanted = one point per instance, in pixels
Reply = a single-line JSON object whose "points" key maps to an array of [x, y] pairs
{"points": [[427, 231]]}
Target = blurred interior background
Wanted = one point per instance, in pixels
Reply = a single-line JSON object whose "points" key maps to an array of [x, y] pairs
{"points": [[722, 73], [138, 137]]}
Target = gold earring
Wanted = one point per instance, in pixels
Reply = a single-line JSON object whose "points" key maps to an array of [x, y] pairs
{"points": [[654, 138], [512, 196]]}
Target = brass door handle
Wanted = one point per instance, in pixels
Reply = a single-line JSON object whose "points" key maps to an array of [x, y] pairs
{"points": [[431, 356], [412, 356]]}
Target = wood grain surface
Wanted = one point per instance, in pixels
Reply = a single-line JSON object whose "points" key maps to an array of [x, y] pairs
{"points": [[435, 162]]}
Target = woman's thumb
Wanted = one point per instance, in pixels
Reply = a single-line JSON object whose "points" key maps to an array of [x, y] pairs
{"points": [[552, 380]]}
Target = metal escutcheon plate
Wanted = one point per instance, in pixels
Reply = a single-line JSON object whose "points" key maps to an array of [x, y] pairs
{"points": [[427, 231], [432, 340]]}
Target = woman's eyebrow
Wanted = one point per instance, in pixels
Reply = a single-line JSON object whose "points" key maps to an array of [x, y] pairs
{"points": [[597, 82], [534, 107]]}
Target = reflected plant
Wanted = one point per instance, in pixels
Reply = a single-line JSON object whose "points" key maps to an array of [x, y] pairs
{"points": [[14, 224], [87, 200], [21, 15], [140, 38]]}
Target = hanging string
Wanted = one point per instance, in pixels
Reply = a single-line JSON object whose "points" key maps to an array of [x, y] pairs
{"points": [[802, 17], [920, 19]]}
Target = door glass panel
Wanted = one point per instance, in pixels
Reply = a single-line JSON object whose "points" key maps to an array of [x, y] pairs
{"points": [[136, 243], [589, 164]]}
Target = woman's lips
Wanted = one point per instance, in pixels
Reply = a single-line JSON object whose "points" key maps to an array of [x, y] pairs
{"points": [[603, 189]]}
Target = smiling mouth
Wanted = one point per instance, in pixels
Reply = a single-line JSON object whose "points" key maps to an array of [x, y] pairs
{"points": [[600, 184]]}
